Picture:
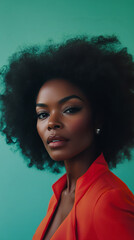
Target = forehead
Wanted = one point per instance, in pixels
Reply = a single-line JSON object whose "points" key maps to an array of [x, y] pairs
{"points": [[56, 89]]}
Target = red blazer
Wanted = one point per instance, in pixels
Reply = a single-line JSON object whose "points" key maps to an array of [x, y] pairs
{"points": [[103, 207]]}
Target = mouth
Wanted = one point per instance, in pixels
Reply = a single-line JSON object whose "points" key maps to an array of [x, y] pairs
{"points": [[57, 143]]}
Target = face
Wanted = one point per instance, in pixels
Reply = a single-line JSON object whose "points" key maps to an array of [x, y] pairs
{"points": [[64, 113]]}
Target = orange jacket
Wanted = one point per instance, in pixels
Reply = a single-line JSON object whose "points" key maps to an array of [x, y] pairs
{"points": [[103, 207]]}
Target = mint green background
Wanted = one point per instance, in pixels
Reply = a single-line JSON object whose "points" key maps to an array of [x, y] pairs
{"points": [[24, 192]]}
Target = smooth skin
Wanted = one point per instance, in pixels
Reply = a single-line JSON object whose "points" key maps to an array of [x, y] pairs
{"points": [[72, 119]]}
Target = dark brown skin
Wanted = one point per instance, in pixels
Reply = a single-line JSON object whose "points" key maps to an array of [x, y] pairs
{"points": [[78, 127]]}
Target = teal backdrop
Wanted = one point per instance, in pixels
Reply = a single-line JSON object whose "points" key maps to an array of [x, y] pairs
{"points": [[24, 192]]}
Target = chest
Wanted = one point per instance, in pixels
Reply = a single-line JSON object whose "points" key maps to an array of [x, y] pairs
{"points": [[63, 209]]}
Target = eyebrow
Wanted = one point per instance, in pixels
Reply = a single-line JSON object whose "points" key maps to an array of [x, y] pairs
{"points": [[60, 101]]}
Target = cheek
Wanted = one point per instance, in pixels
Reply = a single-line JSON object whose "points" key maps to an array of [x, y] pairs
{"points": [[81, 126], [39, 129]]}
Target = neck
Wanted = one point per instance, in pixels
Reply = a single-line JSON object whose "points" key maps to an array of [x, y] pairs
{"points": [[77, 166]]}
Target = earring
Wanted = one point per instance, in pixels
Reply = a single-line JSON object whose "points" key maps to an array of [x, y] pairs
{"points": [[98, 131]]}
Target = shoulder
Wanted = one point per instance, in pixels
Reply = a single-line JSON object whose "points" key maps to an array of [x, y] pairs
{"points": [[110, 183], [115, 198], [114, 214], [112, 190]]}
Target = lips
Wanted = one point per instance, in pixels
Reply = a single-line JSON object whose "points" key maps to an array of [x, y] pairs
{"points": [[55, 139]]}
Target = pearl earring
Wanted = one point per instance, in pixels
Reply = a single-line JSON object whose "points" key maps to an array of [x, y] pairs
{"points": [[98, 131]]}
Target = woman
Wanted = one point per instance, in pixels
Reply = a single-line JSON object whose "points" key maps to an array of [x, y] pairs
{"points": [[82, 91]]}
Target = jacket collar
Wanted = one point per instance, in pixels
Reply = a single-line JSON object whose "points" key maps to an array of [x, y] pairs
{"points": [[96, 169]]}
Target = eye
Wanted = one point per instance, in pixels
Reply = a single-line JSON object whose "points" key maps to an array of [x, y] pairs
{"points": [[69, 110], [72, 110], [42, 115]]}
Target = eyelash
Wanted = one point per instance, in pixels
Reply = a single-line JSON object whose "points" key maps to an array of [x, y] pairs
{"points": [[75, 110]]}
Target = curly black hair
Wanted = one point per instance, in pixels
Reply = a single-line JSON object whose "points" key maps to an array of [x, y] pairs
{"points": [[99, 66]]}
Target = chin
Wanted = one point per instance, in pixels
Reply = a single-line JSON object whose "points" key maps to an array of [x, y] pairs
{"points": [[59, 156]]}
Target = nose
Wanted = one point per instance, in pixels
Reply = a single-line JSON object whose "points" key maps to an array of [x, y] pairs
{"points": [[54, 123], [53, 126]]}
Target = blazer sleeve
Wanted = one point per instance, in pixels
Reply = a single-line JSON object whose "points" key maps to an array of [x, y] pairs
{"points": [[114, 215]]}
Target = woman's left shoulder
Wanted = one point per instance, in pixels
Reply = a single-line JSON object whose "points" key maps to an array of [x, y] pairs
{"points": [[114, 213], [117, 197], [112, 184], [113, 193]]}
